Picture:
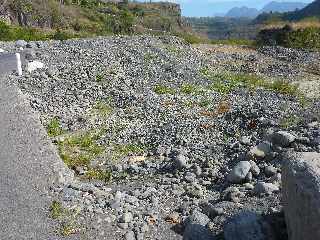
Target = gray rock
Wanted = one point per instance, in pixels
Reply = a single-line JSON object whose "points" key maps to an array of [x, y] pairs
{"points": [[197, 218], [210, 210], [239, 172], [301, 194], [265, 188], [282, 138], [195, 227], [21, 43], [255, 170], [261, 150], [180, 161], [249, 177], [246, 226], [130, 236], [269, 171], [232, 194], [126, 218], [245, 140]]}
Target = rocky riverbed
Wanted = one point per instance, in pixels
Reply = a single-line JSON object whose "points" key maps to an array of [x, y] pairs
{"points": [[172, 141]]}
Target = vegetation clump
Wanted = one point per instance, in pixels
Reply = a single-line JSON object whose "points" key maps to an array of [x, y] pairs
{"points": [[161, 89], [79, 149], [227, 82], [54, 128]]}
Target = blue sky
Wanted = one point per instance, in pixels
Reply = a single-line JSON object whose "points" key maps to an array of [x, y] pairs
{"points": [[211, 7]]}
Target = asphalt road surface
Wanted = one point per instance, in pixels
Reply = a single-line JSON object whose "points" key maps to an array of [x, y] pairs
{"points": [[27, 163], [8, 63]]}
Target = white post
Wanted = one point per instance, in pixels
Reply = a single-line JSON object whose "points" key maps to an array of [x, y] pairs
{"points": [[19, 64]]}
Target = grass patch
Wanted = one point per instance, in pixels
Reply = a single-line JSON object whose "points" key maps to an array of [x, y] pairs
{"points": [[161, 89], [98, 174], [148, 57], [67, 229], [102, 109], [235, 42], [122, 150], [191, 38], [227, 82], [99, 78], [79, 150], [173, 49], [127, 149], [54, 128], [288, 122], [66, 218], [204, 103], [56, 210], [190, 89]]}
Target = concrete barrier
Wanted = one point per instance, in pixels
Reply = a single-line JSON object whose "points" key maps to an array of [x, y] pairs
{"points": [[10, 62], [301, 195]]}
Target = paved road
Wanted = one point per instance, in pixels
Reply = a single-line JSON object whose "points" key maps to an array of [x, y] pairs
{"points": [[8, 63], [27, 163]]}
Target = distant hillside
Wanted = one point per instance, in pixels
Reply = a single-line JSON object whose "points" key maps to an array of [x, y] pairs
{"points": [[311, 10], [223, 27], [92, 17], [274, 7], [238, 12], [282, 7]]}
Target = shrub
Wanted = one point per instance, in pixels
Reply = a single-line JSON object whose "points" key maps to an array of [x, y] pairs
{"points": [[10, 33], [54, 128], [161, 89], [308, 38]]}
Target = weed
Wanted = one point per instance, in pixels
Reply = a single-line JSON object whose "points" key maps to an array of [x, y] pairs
{"points": [[98, 174], [67, 229], [126, 149], [204, 103], [227, 82], [148, 57], [56, 210], [161, 89], [122, 150], [54, 128], [282, 87], [173, 50], [79, 150], [288, 122], [99, 77], [190, 89], [103, 109]]}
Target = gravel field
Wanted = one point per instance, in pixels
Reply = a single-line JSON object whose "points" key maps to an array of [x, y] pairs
{"points": [[166, 141]]}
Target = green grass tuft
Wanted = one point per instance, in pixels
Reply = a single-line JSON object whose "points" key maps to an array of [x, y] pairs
{"points": [[54, 128], [79, 150], [190, 89], [98, 174], [161, 89], [227, 82], [56, 210]]}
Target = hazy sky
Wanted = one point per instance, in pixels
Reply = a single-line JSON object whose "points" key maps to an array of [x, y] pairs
{"points": [[212, 7]]}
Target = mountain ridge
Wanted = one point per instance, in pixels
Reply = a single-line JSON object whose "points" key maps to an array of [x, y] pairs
{"points": [[274, 6]]}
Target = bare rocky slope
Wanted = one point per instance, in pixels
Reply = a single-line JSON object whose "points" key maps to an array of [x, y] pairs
{"points": [[172, 141]]}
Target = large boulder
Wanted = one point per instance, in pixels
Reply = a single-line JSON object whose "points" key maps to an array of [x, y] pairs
{"points": [[195, 227], [247, 226], [301, 195], [282, 138]]}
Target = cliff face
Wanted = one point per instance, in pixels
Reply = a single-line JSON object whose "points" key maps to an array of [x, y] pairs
{"points": [[93, 15]]}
